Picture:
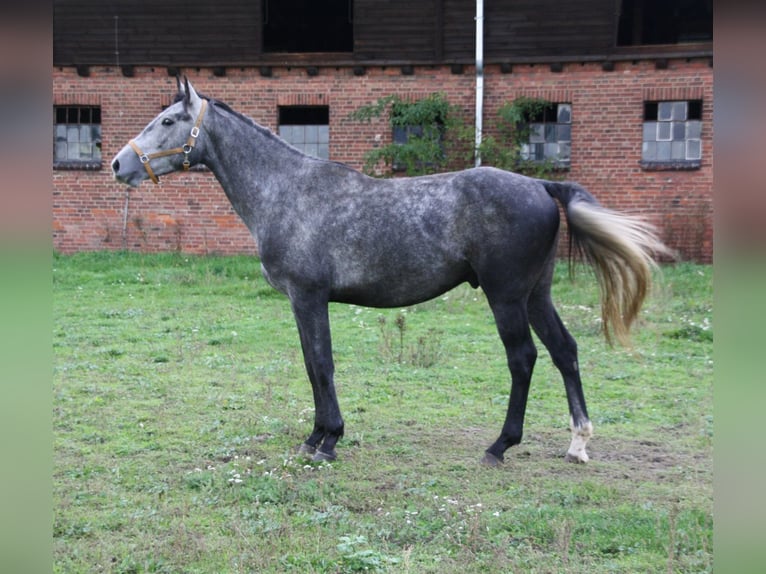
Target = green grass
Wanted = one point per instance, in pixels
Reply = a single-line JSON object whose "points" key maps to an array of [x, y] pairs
{"points": [[180, 396]]}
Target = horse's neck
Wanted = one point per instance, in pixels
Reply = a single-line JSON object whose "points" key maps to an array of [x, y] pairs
{"points": [[244, 154], [252, 166]]}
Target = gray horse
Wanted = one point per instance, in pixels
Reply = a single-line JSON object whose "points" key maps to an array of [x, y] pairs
{"points": [[326, 232]]}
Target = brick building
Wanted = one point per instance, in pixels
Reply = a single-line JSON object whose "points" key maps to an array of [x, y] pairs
{"points": [[635, 80]]}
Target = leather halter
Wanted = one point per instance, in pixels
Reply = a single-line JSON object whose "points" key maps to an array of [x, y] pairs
{"points": [[186, 149]]}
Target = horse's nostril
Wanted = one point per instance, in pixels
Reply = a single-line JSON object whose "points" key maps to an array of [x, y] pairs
{"points": [[116, 166]]}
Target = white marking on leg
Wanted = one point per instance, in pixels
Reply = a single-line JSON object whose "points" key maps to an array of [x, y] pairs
{"points": [[580, 436]]}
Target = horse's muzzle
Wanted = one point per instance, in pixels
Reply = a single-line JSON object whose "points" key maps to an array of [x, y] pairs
{"points": [[126, 169]]}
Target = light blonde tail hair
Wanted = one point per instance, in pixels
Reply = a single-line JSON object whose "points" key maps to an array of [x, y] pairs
{"points": [[621, 249]]}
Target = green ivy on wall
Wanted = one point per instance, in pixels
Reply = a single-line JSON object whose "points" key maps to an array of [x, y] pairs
{"points": [[433, 137]]}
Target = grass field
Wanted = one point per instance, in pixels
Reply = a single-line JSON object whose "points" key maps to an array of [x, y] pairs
{"points": [[180, 396]]}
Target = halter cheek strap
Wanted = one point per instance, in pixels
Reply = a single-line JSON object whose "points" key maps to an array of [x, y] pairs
{"points": [[186, 149]]}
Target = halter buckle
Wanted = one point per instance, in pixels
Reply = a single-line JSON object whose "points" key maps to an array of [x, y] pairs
{"points": [[143, 158], [194, 131]]}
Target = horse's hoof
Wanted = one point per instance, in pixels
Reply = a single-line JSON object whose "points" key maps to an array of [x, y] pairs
{"points": [[320, 456], [307, 450], [491, 460], [580, 458]]}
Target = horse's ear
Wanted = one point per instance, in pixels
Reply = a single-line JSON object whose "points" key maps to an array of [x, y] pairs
{"points": [[189, 94]]}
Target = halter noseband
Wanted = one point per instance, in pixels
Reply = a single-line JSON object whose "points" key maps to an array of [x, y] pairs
{"points": [[186, 149]]}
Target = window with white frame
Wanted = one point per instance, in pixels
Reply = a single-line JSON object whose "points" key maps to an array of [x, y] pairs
{"points": [[550, 135], [672, 133], [307, 128], [77, 136]]}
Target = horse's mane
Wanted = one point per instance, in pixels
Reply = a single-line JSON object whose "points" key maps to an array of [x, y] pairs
{"points": [[238, 115], [250, 122], [219, 104]]}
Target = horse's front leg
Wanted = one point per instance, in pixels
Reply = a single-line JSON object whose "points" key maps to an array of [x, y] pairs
{"points": [[312, 316]]}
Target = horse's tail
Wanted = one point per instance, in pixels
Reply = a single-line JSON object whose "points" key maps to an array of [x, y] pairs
{"points": [[620, 248]]}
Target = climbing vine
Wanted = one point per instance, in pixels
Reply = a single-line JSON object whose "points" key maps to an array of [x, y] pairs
{"points": [[420, 125], [512, 125], [430, 135]]}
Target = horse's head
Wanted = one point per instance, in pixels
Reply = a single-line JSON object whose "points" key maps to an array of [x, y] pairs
{"points": [[167, 143]]}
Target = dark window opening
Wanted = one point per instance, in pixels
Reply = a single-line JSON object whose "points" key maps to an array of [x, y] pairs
{"points": [[550, 113], [674, 110], [665, 22], [308, 26], [695, 110], [306, 128], [297, 115], [77, 136]]}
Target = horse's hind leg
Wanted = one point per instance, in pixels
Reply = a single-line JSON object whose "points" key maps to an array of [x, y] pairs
{"points": [[513, 327], [563, 349]]}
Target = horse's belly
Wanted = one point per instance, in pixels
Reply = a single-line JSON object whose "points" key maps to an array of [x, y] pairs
{"points": [[399, 287]]}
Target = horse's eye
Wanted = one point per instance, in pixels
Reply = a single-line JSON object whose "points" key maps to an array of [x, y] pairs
{"points": [[167, 122]]}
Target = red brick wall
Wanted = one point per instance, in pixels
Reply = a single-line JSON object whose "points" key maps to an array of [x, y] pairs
{"points": [[190, 213]]}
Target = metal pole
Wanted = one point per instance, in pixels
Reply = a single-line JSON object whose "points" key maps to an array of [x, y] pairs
{"points": [[479, 77]]}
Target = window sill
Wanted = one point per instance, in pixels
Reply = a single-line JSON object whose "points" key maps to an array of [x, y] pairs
{"points": [[77, 165], [678, 165], [534, 164]]}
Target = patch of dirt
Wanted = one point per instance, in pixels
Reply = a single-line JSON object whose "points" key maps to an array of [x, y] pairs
{"points": [[541, 454], [639, 460], [636, 460], [652, 460]]}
